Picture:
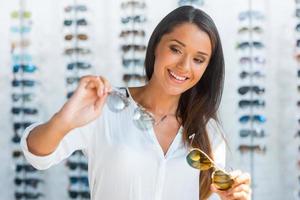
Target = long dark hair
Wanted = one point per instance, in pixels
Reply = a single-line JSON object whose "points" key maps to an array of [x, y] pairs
{"points": [[200, 103]]}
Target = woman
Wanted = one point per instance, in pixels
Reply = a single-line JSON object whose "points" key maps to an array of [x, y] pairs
{"points": [[185, 70]]}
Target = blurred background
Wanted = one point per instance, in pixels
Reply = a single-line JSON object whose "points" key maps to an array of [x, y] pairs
{"points": [[46, 46]]}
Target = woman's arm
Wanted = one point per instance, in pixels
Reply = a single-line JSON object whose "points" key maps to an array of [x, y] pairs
{"points": [[40, 141]]}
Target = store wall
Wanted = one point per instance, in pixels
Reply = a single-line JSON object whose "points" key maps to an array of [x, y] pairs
{"points": [[274, 174]]}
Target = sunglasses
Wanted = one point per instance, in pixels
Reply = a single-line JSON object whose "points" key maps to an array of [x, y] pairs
{"points": [[24, 68], [16, 139], [81, 8], [244, 89], [134, 62], [21, 58], [79, 179], [79, 165], [83, 194], [78, 36], [298, 43], [79, 50], [25, 167], [78, 65], [69, 94], [26, 97], [191, 2], [257, 74], [134, 47], [33, 182], [297, 134], [28, 111], [19, 125], [197, 159], [24, 83], [142, 119], [18, 14], [245, 45], [21, 43], [297, 28], [255, 118], [79, 22], [17, 154], [135, 19], [255, 29], [251, 14], [28, 195], [71, 80], [128, 77], [252, 148], [248, 103], [253, 133], [135, 4], [249, 60], [132, 32], [22, 29]]}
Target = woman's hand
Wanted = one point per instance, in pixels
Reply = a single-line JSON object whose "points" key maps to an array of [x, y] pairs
{"points": [[240, 189], [86, 103]]}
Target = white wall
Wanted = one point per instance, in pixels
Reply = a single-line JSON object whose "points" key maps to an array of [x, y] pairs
{"points": [[275, 174]]}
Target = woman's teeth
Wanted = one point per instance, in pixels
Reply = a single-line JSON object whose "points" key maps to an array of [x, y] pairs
{"points": [[180, 78]]}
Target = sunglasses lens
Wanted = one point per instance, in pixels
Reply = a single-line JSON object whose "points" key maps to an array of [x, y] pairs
{"points": [[198, 160], [116, 102], [222, 180], [142, 119]]}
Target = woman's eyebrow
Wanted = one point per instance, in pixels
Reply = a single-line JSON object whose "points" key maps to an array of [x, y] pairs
{"points": [[182, 44]]}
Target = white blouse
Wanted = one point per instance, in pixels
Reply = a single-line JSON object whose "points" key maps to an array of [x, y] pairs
{"points": [[127, 163]]}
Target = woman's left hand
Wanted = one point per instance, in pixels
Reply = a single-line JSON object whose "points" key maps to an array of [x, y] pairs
{"points": [[240, 189]]}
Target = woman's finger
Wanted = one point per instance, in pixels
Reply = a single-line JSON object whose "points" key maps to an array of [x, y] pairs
{"points": [[239, 195], [107, 86], [240, 188], [243, 178]]}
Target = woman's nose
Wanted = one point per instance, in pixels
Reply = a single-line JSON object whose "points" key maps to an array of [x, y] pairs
{"points": [[184, 63]]}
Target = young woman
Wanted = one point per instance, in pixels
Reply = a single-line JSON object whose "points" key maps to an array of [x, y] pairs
{"points": [[127, 160]]}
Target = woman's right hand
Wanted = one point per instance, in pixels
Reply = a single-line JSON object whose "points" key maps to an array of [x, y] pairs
{"points": [[86, 103]]}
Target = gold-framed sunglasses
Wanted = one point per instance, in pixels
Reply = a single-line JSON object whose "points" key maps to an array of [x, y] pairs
{"points": [[198, 159]]}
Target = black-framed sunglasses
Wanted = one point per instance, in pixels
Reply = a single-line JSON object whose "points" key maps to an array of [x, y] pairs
{"points": [[75, 194], [256, 89], [28, 181], [249, 103], [257, 74], [79, 22], [198, 159]]}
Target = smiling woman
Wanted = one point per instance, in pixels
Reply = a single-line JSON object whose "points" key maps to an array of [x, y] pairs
{"points": [[138, 142]]}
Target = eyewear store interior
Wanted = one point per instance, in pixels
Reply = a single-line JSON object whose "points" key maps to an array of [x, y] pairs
{"points": [[46, 46]]}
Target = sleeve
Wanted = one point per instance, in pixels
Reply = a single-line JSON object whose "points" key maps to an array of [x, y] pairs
{"points": [[76, 139], [216, 136]]}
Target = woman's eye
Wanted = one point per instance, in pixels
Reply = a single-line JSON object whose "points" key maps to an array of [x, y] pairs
{"points": [[174, 49], [197, 60]]}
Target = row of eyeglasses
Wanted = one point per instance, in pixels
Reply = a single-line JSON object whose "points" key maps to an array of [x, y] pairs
{"points": [[76, 27], [297, 57], [132, 38], [251, 104], [24, 109]]}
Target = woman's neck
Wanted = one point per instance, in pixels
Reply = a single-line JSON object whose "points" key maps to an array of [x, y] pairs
{"points": [[155, 100]]}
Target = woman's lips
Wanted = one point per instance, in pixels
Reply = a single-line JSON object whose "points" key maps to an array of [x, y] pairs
{"points": [[176, 78]]}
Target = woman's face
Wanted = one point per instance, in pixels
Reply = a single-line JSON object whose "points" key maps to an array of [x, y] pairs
{"points": [[181, 58]]}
